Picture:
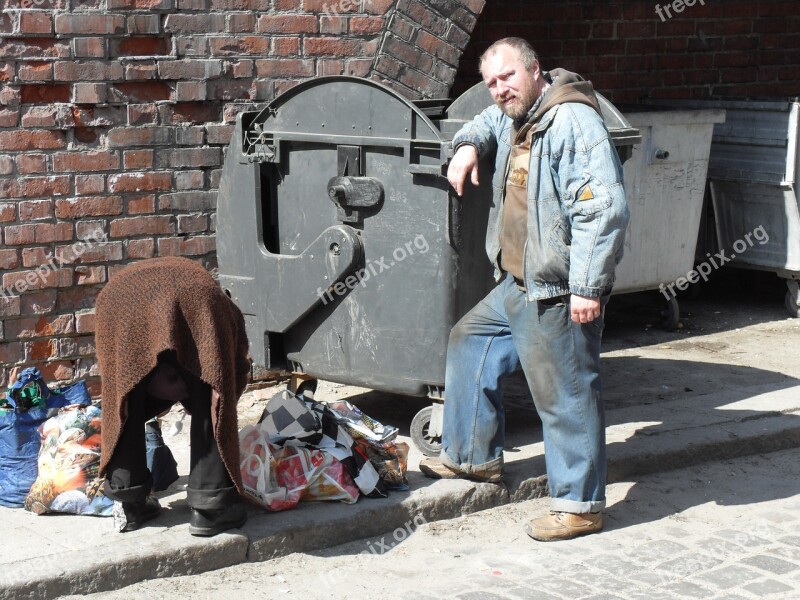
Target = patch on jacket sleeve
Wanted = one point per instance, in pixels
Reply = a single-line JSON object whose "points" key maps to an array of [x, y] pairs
{"points": [[586, 194]]}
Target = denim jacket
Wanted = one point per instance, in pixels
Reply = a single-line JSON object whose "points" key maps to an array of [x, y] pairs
{"points": [[573, 244]]}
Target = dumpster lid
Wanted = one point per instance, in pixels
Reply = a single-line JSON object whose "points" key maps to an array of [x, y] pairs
{"points": [[341, 108], [477, 98]]}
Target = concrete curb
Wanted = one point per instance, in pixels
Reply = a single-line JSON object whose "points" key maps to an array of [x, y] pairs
{"points": [[642, 440]]}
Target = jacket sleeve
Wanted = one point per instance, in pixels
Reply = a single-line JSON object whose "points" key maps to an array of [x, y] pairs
{"points": [[593, 198], [481, 132]]}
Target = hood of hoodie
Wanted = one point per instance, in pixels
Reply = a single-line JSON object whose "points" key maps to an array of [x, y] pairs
{"points": [[565, 86]]}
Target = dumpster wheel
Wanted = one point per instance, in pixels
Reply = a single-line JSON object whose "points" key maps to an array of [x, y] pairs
{"points": [[792, 303], [671, 314], [420, 427]]}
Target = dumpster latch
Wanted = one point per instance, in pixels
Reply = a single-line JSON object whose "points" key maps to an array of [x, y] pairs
{"points": [[352, 192]]}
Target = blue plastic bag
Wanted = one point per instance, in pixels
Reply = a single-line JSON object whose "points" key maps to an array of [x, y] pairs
{"points": [[28, 404]]}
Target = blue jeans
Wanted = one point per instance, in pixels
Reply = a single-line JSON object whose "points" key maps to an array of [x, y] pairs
{"points": [[561, 362]]}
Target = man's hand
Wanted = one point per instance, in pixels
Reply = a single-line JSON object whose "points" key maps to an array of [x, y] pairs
{"points": [[465, 162], [583, 309]]}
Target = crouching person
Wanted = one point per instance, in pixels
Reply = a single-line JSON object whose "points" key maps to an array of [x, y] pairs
{"points": [[167, 333]]}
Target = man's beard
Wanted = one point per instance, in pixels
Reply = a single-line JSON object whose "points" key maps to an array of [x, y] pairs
{"points": [[524, 102]]}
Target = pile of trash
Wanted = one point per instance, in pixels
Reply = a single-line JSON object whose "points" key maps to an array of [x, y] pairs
{"points": [[306, 450]]}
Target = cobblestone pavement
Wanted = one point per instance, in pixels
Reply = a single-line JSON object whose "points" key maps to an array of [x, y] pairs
{"points": [[724, 531]]}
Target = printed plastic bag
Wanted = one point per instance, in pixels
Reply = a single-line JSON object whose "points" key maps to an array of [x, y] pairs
{"points": [[27, 405], [278, 478], [69, 461]]}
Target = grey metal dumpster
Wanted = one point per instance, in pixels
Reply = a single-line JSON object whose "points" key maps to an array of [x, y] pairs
{"points": [[342, 243], [664, 184], [753, 180]]}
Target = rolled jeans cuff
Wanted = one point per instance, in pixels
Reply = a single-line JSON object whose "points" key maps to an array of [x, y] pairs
{"points": [[133, 493], [211, 499], [576, 507], [484, 470]]}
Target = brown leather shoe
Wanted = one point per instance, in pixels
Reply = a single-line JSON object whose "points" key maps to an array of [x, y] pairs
{"points": [[563, 526], [436, 469]]}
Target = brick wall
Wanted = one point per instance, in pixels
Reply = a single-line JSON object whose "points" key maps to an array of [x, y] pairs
{"points": [[721, 49], [114, 116]]}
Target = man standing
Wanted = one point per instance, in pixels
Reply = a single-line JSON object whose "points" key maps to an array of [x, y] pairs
{"points": [[555, 235]]}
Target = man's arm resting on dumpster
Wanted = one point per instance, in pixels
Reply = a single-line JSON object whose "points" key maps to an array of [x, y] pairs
{"points": [[472, 142], [590, 176]]}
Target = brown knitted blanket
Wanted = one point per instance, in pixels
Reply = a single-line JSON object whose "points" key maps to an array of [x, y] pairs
{"points": [[171, 304]]}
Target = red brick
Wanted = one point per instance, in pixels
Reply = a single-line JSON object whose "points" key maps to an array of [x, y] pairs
{"points": [[9, 259], [90, 23], [438, 47], [367, 25], [76, 346], [140, 91], [142, 205], [36, 71], [126, 137], [41, 350], [9, 307], [32, 140], [44, 93], [188, 201], [85, 161], [34, 257], [38, 303], [8, 211], [188, 91], [33, 210], [34, 187], [56, 116], [57, 371], [89, 47], [87, 185], [89, 93], [9, 117], [33, 48], [137, 159], [11, 353], [241, 23], [29, 164], [35, 22], [142, 114], [53, 232], [190, 112], [284, 67], [73, 208], [93, 70], [139, 182], [75, 298], [332, 46], [194, 246], [286, 46], [288, 24], [141, 46], [84, 322], [408, 53], [192, 223], [136, 249], [246, 45], [189, 69], [90, 275], [150, 225], [203, 23], [90, 229], [37, 279]]}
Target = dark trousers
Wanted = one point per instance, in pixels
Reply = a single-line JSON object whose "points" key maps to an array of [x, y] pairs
{"points": [[127, 477]]}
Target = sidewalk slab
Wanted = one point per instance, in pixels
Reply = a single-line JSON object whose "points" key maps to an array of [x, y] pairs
{"points": [[62, 554]]}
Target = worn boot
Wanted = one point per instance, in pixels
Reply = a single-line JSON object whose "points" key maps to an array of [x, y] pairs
{"points": [[563, 526], [206, 523], [130, 516]]}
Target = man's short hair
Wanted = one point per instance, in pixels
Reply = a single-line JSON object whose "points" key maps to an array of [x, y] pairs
{"points": [[526, 52]]}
